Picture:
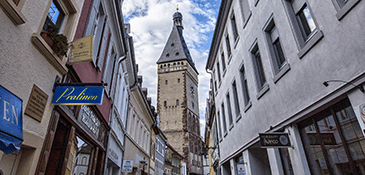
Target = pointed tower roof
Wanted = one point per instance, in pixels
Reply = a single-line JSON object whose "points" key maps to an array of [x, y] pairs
{"points": [[176, 48]]}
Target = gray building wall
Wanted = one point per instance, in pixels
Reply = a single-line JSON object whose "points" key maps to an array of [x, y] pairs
{"points": [[338, 54]]}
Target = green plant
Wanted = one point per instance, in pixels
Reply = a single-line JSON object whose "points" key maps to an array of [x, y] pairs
{"points": [[60, 46]]}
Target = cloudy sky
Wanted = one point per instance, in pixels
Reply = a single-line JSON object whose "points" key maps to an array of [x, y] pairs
{"points": [[151, 23]]}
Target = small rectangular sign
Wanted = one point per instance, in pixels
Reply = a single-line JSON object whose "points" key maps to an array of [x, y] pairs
{"points": [[37, 103], [82, 50], [127, 166], [78, 95], [274, 140]]}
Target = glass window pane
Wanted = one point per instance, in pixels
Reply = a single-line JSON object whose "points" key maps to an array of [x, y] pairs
{"points": [[83, 157]]}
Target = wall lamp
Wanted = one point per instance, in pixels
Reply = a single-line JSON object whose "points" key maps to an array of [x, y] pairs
{"points": [[358, 86]]}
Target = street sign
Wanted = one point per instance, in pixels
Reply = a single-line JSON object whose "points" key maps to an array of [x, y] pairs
{"points": [[127, 166], [274, 140]]}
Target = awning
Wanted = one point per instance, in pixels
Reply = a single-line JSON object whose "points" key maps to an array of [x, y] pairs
{"points": [[11, 121], [9, 143]]}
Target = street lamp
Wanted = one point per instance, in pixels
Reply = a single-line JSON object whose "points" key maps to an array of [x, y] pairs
{"points": [[143, 162]]}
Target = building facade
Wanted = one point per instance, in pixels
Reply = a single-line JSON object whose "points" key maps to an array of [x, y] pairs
{"points": [[177, 98], [290, 66], [141, 119], [28, 68]]}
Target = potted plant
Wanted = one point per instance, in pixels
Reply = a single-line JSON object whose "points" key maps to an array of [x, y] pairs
{"points": [[58, 42]]}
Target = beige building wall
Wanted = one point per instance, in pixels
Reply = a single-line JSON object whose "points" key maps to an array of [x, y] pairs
{"points": [[23, 64]]}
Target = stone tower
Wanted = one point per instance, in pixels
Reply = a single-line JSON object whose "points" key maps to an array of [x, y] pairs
{"points": [[177, 98]]}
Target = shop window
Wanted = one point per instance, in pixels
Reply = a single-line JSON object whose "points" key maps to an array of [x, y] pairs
{"points": [[333, 141], [239, 164], [285, 161]]}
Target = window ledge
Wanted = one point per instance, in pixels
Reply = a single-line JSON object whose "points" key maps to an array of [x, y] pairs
{"points": [[219, 86], [225, 134], [248, 106], [281, 72], [263, 90], [13, 12], [230, 127], [310, 43], [345, 9], [224, 72], [229, 59], [248, 18], [239, 116], [236, 42], [58, 63]]}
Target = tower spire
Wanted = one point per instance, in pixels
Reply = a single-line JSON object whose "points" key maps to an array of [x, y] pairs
{"points": [[177, 17]]}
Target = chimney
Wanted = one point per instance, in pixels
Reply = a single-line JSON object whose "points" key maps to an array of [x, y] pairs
{"points": [[140, 80], [144, 90]]}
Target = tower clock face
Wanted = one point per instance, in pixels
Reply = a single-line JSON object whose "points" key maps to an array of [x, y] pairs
{"points": [[192, 91]]}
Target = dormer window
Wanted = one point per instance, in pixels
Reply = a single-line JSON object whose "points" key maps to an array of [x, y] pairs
{"points": [[172, 44], [167, 55], [177, 53]]}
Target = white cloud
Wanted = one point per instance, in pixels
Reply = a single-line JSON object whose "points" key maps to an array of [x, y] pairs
{"points": [[151, 23]]}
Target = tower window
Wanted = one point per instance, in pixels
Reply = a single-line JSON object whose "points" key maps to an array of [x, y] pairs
{"points": [[192, 104], [177, 53], [165, 81], [167, 55], [177, 102], [172, 44], [165, 103], [178, 80]]}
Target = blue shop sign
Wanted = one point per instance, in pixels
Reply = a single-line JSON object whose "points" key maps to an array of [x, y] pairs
{"points": [[11, 121], [78, 95]]}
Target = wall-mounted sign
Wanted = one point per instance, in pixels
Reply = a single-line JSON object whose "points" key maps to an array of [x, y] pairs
{"points": [[274, 140], [82, 50], [36, 104], [78, 95], [127, 166], [11, 121], [241, 169]]}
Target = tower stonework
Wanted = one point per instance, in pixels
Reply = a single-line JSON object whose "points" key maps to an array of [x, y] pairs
{"points": [[177, 98]]}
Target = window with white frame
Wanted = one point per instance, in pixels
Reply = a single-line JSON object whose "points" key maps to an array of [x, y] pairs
{"points": [[246, 12], [304, 25], [235, 98], [219, 126], [229, 111], [259, 68], [228, 46], [234, 26], [223, 62], [218, 72], [246, 95], [343, 7], [224, 123], [278, 60]]}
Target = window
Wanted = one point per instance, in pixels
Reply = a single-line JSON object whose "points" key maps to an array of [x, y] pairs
{"points": [[304, 25], [246, 12], [219, 126], [343, 7], [228, 45], [234, 26], [108, 69], [55, 16], [192, 104], [165, 103], [223, 62], [229, 111], [277, 55], [13, 8], [224, 120], [235, 98], [246, 95], [259, 69], [178, 80], [218, 73], [165, 81], [177, 102], [338, 143]]}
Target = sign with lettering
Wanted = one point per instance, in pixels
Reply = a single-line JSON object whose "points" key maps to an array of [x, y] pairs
{"points": [[127, 166], [78, 95], [327, 138], [82, 50], [241, 169], [11, 121], [36, 104], [274, 140]]}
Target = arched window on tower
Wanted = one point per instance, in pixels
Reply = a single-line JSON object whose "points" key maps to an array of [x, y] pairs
{"points": [[165, 103], [177, 102]]}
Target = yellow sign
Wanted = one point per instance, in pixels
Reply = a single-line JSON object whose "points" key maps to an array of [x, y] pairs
{"points": [[82, 50]]}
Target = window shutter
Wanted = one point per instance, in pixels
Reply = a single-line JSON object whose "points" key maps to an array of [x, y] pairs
{"points": [[92, 15], [103, 46], [114, 74]]}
